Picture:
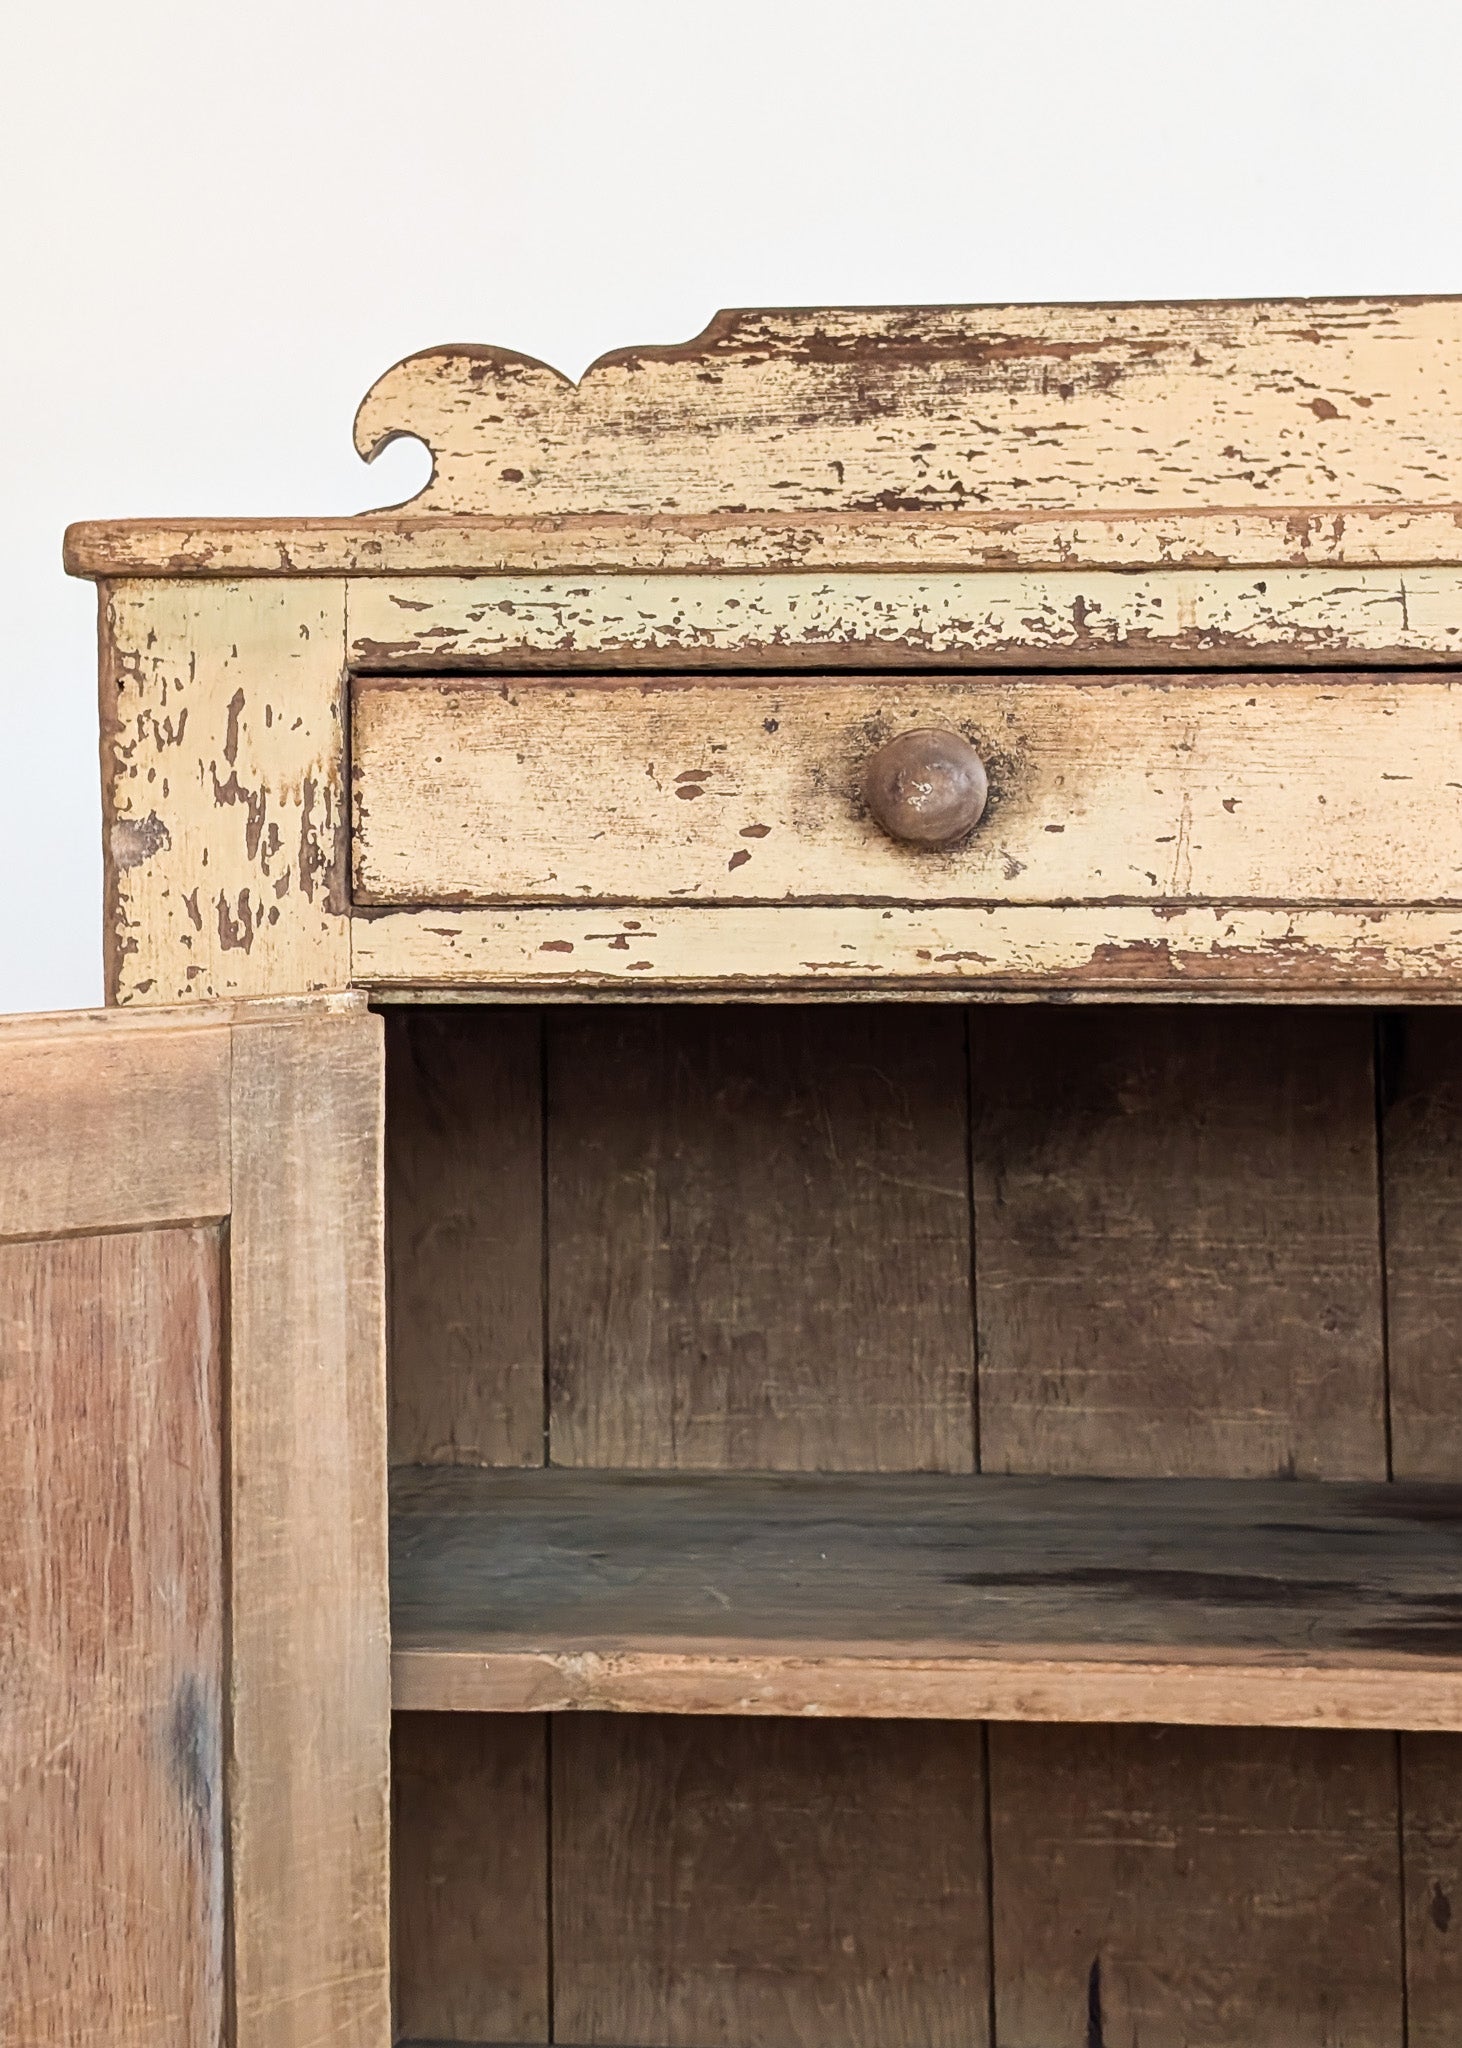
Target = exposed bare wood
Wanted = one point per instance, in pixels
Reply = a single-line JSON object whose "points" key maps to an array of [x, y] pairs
{"points": [[759, 1249], [223, 748], [1195, 1888], [750, 1881], [464, 1101], [1178, 1227], [108, 1125], [1013, 408], [993, 950], [469, 1860], [307, 1434], [1020, 618], [112, 1904], [1285, 537], [1222, 1600], [1292, 791]]}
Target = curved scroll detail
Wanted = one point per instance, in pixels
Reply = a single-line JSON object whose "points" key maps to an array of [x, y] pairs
{"points": [[1018, 409]]}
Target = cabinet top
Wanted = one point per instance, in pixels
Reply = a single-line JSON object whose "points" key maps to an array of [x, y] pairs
{"points": [[1285, 432]]}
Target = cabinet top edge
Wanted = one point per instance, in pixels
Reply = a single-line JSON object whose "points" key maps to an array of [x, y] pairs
{"points": [[1007, 435]]}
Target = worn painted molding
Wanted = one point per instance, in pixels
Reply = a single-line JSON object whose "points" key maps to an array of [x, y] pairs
{"points": [[921, 409], [1019, 618]]}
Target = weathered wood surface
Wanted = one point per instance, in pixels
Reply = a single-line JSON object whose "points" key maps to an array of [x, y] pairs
{"points": [[469, 1871], [1284, 791], [372, 544], [310, 1703], [1195, 1888], [104, 1123], [1178, 1225], [1222, 404], [1221, 1600], [799, 950], [464, 1154], [884, 617], [223, 749], [733, 1882], [112, 1882], [759, 1245]]}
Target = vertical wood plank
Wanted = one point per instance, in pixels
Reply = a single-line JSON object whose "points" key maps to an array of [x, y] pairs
{"points": [[470, 1877], [1421, 1131], [1199, 1887], [1179, 1264], [759, 1239], [465, 1236], [1178, 1226], [768, 1884], [112, 1915], [310, 1665]]}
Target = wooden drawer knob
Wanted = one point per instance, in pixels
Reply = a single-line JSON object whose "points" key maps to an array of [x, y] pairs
{"points": [[928, 787]]}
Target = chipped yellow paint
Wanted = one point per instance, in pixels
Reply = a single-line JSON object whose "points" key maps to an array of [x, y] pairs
{"points": [[1074, 618], [841, 950], [1293, 789], [1293, 537], [223, 749], [923, 408]]}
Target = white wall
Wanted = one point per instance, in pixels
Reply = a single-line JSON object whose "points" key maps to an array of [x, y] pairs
{"points": [[219, 223]]}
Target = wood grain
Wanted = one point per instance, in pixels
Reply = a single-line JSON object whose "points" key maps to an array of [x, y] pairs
{"points": [[1228, 404], [1237, 1601], [995, 951], [1178, 1228], [104, 1124], [469, 1858], [1183, 1211], [1287, 790], [883, 617], [1421, 1133], [759, 1245], [310, 1703], [745, 1884], [223, 751], [385, 544], [112, 1909], [464, 1152], [1195, 1888]]}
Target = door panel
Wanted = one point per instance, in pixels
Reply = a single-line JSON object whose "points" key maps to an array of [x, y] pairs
{"points": [[194, 1709]]}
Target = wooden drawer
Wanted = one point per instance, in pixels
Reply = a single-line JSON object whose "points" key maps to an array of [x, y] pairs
{"points": [[1232, 789]]}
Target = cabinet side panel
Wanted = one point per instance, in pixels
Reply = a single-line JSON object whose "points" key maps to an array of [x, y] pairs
{"points": [[768, 1884], [223, 758], [759, 1240], [1421, 1136], [310, 1664], [112, 1907], [464, 1218], [1179, 1273]]}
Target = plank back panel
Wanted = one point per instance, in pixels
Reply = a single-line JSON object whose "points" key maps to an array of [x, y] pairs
{"points": [[759, 1252], [768, 1884], [465, 1236], [1178, 1243], [112, 1904], [1421, 1129], [1178, 1271]]}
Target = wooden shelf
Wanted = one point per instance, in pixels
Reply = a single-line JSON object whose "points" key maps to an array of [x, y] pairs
{"points": [[1284, 1603]]}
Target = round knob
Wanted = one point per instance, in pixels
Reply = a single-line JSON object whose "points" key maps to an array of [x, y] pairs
{"points": [[928, 787]]}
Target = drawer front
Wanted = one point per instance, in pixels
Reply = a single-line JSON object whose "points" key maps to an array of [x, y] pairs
{"points": [[1229, 789]]}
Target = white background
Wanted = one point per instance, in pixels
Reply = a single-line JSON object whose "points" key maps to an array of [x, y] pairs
{"points": [[220, 220]]}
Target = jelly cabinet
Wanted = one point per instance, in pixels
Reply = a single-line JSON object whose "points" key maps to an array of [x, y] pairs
{"points": [[746, 1331]]}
